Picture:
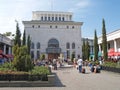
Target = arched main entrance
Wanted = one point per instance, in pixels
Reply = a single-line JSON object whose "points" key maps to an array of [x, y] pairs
{"points": [[53, 49]]}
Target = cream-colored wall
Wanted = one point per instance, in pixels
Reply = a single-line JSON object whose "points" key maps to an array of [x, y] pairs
{"points": [[113, 38], [61, 33]]}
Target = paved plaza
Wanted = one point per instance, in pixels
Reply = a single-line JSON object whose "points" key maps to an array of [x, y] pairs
{"points": [[70, 79]]}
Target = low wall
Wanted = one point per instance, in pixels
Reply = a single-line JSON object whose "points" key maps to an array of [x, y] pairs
{"points": [[112, 69], [50, 82]]}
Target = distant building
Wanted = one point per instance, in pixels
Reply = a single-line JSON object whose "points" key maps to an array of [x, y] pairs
{"points": [[91, 43], [113, 40], [54, 33], [5, 44]]}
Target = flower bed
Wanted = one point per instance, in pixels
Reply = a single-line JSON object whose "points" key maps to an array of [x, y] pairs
{"points": [[38, 73], [111, 66]]}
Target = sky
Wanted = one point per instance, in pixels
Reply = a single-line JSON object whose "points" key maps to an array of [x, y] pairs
{"points": [[90, 12]]}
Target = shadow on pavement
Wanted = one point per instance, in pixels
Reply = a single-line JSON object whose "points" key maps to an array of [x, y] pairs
{"points": [[58, 82]]}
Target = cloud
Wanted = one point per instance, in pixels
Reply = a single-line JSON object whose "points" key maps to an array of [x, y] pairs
{"points": [[82, 4], [22, 10], [19, 10]]}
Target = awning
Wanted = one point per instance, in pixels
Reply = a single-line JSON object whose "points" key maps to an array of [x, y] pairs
{"points": [[111, 54], [1, 56], [1, 51], [111, 50], [116, 53]]}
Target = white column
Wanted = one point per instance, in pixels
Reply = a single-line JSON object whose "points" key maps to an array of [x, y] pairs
{"points": [[4, 49], [9, 50], [57, 17], [54, 17], [39, 17], [35, 54], [66, 18], [47, 17], [43, 17], [115, 45], [50, 17], [99, 47]]}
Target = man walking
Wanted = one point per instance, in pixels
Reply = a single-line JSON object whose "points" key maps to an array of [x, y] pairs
{"points": [[80, 63]]}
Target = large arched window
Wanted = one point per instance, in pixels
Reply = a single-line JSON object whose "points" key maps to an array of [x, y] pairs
{"points": [[53, 43], [45, 18], [63, 19], [32, 45], [41, 18], [59, 18], [38, 45], [53, 47], [68, 45], [56, 18], [73, 45], [48, 18]]}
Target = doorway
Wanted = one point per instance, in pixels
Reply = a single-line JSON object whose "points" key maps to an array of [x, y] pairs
{"points": [[53, 56]]}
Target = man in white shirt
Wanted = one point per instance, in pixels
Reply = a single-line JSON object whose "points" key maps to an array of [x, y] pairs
{"points": [[80, 63]]}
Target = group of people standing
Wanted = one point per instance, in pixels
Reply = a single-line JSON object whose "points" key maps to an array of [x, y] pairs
{"points": [[55, 63], [93, 67]]}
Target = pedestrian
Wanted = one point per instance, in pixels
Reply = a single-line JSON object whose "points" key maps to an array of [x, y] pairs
{"points": [[75, 63], [80, 64], [55, 64]]}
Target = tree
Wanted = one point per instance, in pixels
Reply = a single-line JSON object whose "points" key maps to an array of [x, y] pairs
{"points": [[24, 38], [72, 56], [42, 57], [28, 43], [17, 36], [83, 50], [104, 41], [22, 60], [96, 49], [87, 50]]}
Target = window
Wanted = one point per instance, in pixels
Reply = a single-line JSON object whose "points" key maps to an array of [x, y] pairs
{"points": [[50, 26], [33, 26], [73, 45], [38, 26], [68, 45], [73, 27], [42, 18], [70, 17], [38, 45], [56, 18], [45, 18], [59, 18], [108, 45], [32, 45], [55, 26], [73, 54], [52, 18], [63, 19], [68, 54], [48, 18], [53, 43], [67, 27]]}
